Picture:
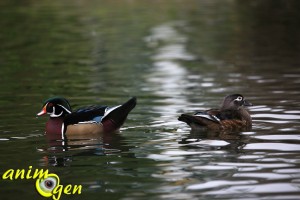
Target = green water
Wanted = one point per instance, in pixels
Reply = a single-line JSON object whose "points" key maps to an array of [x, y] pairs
{"points": [[176, 57]]}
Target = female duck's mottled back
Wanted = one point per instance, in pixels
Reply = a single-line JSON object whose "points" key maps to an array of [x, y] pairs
{"points": [[232, 115]]}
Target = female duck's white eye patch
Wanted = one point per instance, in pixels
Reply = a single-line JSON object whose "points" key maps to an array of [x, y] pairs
{"points": [[239, 98]]}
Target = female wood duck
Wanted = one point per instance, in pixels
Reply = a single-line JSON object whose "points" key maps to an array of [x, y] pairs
{"points": [[89, 120], [231, 116]]}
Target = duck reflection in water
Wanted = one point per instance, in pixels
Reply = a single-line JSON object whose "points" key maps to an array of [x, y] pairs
{"points": [[235, 141], [62, 151], [87, 131]]}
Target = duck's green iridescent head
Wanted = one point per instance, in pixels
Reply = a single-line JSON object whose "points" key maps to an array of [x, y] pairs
{"points": [[55, 107]]}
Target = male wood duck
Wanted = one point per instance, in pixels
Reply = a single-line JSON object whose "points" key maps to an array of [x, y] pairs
{"points": [[232, 115], [89, 120]]}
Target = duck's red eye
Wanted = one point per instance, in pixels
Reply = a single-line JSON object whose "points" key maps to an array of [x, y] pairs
{"points": [[50, 104]]}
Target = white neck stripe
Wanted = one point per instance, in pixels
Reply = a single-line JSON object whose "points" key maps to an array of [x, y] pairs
{"points": [[54, 115]]}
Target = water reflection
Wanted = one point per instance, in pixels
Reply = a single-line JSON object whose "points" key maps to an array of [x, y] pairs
{"points": [[202, 152], [60, 152], [273, 146], [231, 141], [168, 77]]}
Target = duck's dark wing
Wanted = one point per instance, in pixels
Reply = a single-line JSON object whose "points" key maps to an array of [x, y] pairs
{"points": [[229, 115], [201, 118], [213, 115], [96, 114], [91, 114]]}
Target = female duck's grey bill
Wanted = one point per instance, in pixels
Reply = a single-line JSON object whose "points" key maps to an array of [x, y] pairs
{"points": [[247, 103]]}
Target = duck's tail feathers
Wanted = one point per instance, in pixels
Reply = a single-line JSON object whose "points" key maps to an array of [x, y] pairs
{"points": [[189, 119], [117, 116]]}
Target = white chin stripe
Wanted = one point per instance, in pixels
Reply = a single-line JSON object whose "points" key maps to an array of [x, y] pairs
{"points": [[54, 115]]}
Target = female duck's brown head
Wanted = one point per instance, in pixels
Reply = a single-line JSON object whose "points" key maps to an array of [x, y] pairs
{"points": [[234, 102]]}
